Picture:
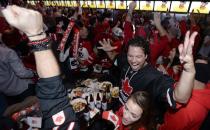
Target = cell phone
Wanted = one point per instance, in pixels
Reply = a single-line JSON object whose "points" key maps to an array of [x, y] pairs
{"points": [[3, 3]]}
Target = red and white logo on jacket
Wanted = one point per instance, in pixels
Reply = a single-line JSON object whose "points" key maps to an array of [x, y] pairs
{"points": [[126, 88], [59, 118]]}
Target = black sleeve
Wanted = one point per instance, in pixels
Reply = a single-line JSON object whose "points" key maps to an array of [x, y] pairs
{"points": [[53, 100], [163, 90]]}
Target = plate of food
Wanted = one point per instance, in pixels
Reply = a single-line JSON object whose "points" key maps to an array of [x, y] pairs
{"points": [[78, 104], [115, 92], [77, 92], [88, 82], [105, 85]]}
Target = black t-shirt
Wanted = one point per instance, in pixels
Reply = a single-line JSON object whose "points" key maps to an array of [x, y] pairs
{"points": [[146, 79]]}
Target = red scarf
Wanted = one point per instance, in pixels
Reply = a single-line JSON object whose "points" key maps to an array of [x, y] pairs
{"points": [[66, 35], [75, 43]]}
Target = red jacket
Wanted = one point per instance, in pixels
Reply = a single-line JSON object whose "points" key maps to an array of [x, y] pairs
{"points": [[159, 48], [191, 115]]}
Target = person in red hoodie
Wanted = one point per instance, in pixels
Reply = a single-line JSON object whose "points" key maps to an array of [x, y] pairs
{"points": [[159, 42], [191, 115], [86, 56]]}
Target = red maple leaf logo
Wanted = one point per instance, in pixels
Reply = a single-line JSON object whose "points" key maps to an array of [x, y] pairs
{"points": [[127, 89], [59, 119]]}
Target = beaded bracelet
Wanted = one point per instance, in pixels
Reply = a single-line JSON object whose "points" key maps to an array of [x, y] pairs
{"points": [[40, 45]]}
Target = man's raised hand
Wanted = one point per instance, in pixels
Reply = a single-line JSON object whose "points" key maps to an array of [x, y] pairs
{"points": [[185, 51], [26, 20], [106, 45]]}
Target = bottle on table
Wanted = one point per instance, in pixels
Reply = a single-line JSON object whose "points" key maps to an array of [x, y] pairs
{"points": [[86, 98], [91, 102], [104, 103], [108, 94], [86, 114], [98, 101]]}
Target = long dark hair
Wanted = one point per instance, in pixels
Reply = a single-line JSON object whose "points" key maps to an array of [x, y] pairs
{"points": [[143, 100]]}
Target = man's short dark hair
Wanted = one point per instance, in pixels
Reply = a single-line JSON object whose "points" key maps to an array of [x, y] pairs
{"points": [[140, 42]]}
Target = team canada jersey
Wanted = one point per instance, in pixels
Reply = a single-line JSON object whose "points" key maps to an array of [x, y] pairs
{"points": [[86, 54], [145, 79]]}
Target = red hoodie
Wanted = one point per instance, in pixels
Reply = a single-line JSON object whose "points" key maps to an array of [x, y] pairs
{"points": [[191, 115], [158, 48]]}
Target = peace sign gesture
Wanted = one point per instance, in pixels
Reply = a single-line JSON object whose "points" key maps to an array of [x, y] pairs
{"points": [[185, 51]]}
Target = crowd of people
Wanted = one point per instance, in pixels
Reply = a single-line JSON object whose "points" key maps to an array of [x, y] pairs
{"points": [[159, 61]]}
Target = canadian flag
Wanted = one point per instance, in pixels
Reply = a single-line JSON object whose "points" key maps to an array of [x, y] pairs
{"points": [[109, 115]]}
